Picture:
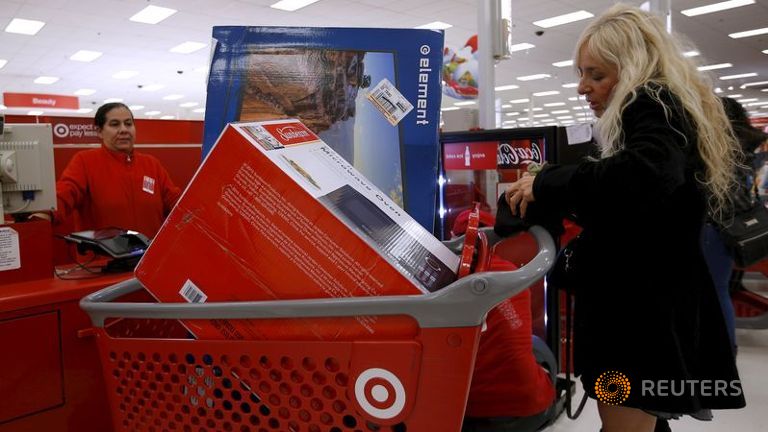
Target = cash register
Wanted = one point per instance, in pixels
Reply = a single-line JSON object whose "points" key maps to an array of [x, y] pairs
{"points": [[125, 247]]}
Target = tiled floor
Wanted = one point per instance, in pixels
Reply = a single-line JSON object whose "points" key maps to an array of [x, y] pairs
{"points": [[753, 369]]}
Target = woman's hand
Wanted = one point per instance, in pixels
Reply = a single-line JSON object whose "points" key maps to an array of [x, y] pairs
{"points": [[520, 193]]}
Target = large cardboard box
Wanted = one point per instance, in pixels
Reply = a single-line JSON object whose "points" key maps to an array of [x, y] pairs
{"points": [[275, 213]]}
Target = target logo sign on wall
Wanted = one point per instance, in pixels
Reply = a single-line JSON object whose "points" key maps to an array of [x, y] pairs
{"points": [[380, 393], [61, 130]]}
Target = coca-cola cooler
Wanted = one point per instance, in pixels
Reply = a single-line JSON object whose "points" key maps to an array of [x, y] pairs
{"points": [[476, 166]]}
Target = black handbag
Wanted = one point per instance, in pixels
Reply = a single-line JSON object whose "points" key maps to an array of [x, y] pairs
{"points": [[746, 235]]}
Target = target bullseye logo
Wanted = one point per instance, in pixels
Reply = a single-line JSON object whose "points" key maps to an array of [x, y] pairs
{"points": [[61, 130], [380, 393]]}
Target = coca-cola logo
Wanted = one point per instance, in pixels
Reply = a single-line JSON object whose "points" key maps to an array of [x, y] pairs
{"points": [[509, 156], [291, 133]]}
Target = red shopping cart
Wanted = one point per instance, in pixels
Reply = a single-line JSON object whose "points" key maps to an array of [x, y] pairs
{"points": [[159, 379]]}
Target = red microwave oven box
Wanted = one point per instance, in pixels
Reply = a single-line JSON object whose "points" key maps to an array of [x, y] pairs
{"points": [[275, 213]]}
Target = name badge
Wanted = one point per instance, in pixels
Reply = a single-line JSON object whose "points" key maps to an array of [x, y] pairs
{"points": [[149, 185]]}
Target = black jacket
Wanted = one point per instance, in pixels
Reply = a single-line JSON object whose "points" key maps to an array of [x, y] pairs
{"points": [[646, 306]]}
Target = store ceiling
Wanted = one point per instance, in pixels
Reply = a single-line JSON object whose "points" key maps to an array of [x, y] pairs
{"points": [[103, 25]]}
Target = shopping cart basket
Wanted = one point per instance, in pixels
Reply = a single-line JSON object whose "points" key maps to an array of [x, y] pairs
{"points": [[158, 379]]}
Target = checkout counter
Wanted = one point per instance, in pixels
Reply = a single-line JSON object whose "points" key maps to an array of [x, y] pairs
{"points": [[50, 376]]}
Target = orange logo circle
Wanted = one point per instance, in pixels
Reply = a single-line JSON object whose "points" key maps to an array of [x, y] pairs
{"points": [[612, 388]]}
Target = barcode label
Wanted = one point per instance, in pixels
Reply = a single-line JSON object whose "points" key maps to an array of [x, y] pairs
{"points": [[387, 99], [192, 294]]}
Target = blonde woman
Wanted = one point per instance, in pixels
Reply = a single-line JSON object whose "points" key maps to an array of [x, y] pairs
{"points": [[649, 337]]}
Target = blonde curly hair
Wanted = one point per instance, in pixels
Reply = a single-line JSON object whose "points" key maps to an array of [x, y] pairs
{"points": [[647, 57]]}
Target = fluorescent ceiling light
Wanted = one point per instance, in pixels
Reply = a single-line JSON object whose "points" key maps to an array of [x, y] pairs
{"points": [[540, 115], [188, 104], [533, 77], [46, 80], [716, 7], [151, 113], [84, 110], [715, 66], [435, 25], [35, 112], [152, 87], [291, 5], [563, 19], [465, 103], [564, 63], [3, 62], [563, 111], [521, 47], [749, 33], [167, 117], [578, 108], [450, 108], [514, 113], [125, 74], [547, 93], [744, 75], [570, 85], [173, 97], [758, 103], [518, 101], [765, 51], [24, 26], [718, 90], [199, 110], [506, 87], [85, 56], [188, 47], [574, 98], [535, 109], [734, 96], [506, 106], [523, 119], [554, 104], [152, 14], [747, 100], [764, 90], [112, 100], [691, 53], [85, 92], [745, 85], [136, 107], [564, 117]]}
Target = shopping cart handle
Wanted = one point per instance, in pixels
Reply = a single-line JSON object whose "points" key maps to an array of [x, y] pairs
{"points": [[463, 303]]}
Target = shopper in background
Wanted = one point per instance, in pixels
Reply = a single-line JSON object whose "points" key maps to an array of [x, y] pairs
{"points": [[649, 338], [114, 185]]}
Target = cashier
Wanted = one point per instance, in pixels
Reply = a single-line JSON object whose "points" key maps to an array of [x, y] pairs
{"points": [[114, 185]]}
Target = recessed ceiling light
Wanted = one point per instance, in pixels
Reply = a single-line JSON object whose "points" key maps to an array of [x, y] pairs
{"points": [[84, 110], [718, 90], [716, 7], [152, 14], [188, 47], [521, 47], [152, 87], [533, 77], [506, 87], [167, 117], [435, 25], [563, 19], [136, 107], [35, 112], [112, 100], [454, 108], [744, 75], [554, 104], [3, 62], [745, 85], [85, 92], [173, 97], [570, 85], [547, 93], [151, 113], [125, 74], [188, 104], [46, 80], [199, 110], [563, 111], [465, 103], [749, 33], [291, 5], [715, 66], [564, 63], [691, 53], [85, 56], [518, 101], [24, 26]]}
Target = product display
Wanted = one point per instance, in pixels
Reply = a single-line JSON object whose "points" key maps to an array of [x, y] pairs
{"points": [[275, 213]]}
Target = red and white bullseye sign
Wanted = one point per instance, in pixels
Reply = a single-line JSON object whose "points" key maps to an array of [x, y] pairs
{"points": [[380, 393]]}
